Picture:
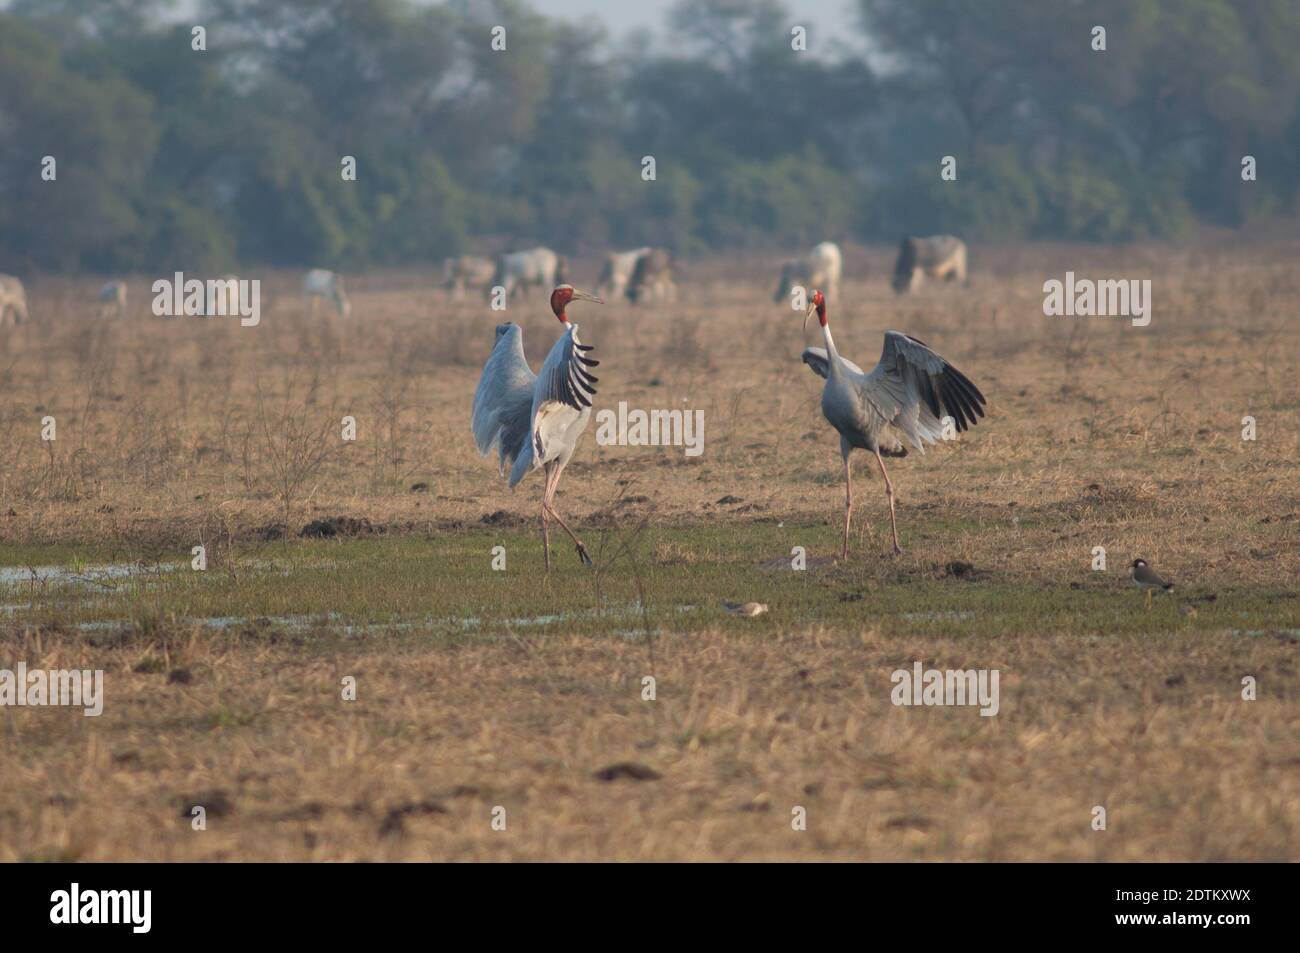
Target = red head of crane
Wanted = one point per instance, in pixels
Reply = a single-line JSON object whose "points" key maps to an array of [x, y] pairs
{"points": [[910, 390], [535, 420], [563, 294]]}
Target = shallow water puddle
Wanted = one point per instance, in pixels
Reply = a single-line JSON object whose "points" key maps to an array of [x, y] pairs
{"points": [[85, 576], [938, 616], [625, 611], [334, 620]]}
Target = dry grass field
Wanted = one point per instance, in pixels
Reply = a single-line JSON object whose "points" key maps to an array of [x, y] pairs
{"points": [[479, 689]]}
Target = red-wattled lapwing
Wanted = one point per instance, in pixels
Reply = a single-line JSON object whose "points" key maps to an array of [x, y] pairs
{"points": [[1144, 577]]}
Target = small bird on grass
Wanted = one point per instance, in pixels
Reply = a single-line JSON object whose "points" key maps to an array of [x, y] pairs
{"points": [[747, 609], [1144, 577]]}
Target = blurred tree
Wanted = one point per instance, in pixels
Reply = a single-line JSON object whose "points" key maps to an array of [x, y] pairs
{"points": [[994, 199], [174, 157], [1229, 71], [800, 200], [99, 132], [955, 54], [101, 19]]}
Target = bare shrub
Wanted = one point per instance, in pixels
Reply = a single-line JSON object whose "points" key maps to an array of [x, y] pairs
{"points": [[294, 441]]}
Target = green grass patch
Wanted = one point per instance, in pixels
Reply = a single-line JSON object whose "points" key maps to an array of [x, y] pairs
{"points": [[660, 580]]}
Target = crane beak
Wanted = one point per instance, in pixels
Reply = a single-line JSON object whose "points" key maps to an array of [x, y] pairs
{"points": [[587, 296], [812, 310]]}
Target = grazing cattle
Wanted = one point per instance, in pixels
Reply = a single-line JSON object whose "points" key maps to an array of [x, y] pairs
{"points": [[538, 267], [13, 301], [320, 283], [653, 277], [617, 272], [941, 256], [820, 268], [467, 271], [112, 300]]}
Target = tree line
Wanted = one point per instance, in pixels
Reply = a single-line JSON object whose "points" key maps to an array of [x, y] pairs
{"points": [[172, 156]]}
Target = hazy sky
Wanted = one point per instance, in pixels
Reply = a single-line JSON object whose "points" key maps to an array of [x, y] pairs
{"points": [[829, 18], [622, 15], [830, 21]]}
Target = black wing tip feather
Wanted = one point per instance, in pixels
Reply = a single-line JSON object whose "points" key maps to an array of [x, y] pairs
{"points": [[577, 380], [968, 386], [931, 397], [949, 390], [962, 398], [574, 397], [958, 403]]}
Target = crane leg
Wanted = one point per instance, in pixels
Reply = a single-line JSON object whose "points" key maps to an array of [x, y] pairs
{"points": [[546, 535], [553, 470], [889, 492], [582, 549], [848, 507]]}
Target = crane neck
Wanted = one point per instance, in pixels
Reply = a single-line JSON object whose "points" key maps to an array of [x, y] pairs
{"points": [[832, 355]]}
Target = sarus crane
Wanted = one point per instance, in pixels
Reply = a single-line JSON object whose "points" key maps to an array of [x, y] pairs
{"points": [[910, 390], [535, 420]]}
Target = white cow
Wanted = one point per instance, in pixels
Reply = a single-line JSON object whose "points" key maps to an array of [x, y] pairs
{"points": [[112, 300], [320, 283], [653, 277], [617, 271], [467, 271], [940, 256], [538, 267], [821, 268], [13, 301]]}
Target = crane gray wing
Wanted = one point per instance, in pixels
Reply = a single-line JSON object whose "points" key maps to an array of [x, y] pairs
{"points": [[561, 399], [564, 378], [914, 388], [815, 357], [503, 400]]}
